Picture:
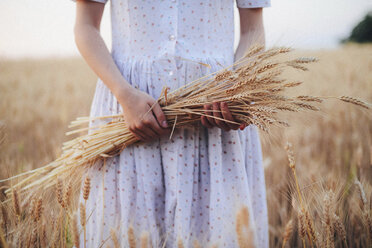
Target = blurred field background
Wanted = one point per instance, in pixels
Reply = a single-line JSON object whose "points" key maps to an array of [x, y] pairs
{"points": [[332, 148]]}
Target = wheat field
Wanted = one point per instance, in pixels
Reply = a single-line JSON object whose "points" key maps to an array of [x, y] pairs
{"points": [[331, 151]]}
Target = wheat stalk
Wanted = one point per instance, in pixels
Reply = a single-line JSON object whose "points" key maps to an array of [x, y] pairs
{"points": [[253, 87], [287, 232], [339, 226]]}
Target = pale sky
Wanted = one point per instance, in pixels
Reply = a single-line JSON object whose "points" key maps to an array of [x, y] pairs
{"points": [[44, 28]]}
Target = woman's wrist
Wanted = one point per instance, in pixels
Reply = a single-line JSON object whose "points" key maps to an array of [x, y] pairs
{"points": [[123, 91]]}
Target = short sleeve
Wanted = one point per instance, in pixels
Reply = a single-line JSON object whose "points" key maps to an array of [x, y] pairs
{"points": [[98, 1], [253, 3]]}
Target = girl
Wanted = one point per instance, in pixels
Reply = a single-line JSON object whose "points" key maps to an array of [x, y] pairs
{"points": [[188, 187]]}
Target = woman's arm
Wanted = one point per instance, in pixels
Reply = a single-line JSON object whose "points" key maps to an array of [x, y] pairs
{"points": [[251, 32], [93, 49]]}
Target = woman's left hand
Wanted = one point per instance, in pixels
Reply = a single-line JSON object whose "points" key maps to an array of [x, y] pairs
{"points": [[220, 110]]}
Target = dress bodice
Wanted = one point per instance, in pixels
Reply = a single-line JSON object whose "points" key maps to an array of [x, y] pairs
{"points": [[164, 38], [187, 28]]}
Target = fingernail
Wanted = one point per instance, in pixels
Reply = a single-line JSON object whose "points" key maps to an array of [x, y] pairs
{"points": [[165, 124]]}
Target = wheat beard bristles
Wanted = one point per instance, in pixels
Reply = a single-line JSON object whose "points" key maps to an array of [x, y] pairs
{"points": [[256, 80]]}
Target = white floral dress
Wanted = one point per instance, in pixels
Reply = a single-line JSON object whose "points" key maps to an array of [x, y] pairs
{"points": [[189, 187]]}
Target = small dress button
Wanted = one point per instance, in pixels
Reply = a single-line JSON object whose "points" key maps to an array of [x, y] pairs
{"points": [[170, 73], [172, 37]]}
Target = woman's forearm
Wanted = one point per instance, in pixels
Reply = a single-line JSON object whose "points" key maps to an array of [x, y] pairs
{"points": [[94, 51], [251, 30]]}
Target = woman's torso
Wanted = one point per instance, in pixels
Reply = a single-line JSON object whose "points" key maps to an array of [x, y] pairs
{"points": [[155, 29]]}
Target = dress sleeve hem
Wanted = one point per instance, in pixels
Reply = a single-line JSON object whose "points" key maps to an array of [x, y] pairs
{"points": [[98, 1], [252, 4]]}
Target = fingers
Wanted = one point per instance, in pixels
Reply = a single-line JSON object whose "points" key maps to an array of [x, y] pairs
{"points": [[216, 112], [149, 127], [159, 121], [160, 116], [228, 116], [138, 134], [208, 108], [205, 122], [219, 110]]}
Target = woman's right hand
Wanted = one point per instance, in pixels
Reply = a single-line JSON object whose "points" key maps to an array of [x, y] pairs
{"points": [[144, 124]]}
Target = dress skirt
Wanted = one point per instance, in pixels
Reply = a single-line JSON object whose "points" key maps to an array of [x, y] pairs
{"points": [[189, 187]]}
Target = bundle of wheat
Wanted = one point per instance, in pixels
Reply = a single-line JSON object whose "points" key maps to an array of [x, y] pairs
{"points": [[253, 88]]}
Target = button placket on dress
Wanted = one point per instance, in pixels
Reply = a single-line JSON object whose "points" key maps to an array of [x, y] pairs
{"points": [[172, 38]]}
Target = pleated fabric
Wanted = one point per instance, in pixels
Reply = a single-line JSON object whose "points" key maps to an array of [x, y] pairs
{"points": [[187, 187]]}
